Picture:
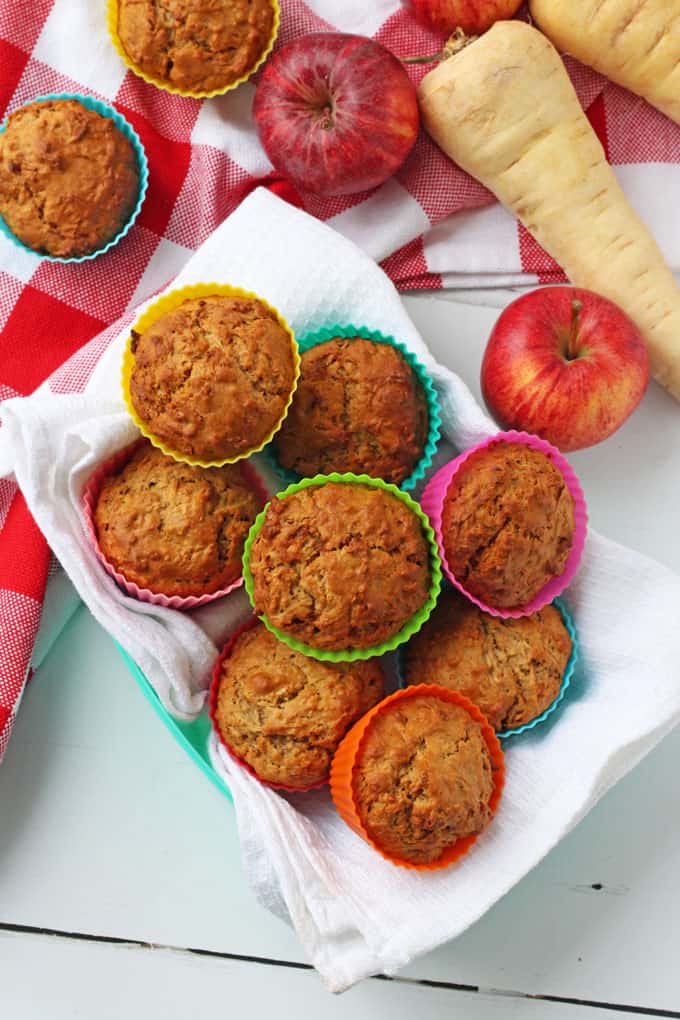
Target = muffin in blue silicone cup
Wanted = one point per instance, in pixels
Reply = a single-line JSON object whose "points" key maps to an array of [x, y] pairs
{"points": [[73, 176], [364, 405], [516, 670]]}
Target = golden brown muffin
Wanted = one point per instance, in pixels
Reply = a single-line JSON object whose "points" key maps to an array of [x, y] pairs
{"points": [[174, 528], [69, 179], [422, 778], [212, 377], [507, 524], [358, 407], [340, 565], [511, 669], [199, 46], [285, 714]]}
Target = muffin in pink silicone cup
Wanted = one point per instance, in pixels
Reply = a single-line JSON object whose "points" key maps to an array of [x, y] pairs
{"points": [[171, 533], [510, 521], [280, 714]]}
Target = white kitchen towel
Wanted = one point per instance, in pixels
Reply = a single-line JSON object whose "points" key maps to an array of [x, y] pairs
{"points": [[356, 914]]}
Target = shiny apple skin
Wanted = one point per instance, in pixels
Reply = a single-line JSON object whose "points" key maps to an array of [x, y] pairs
{"points": [[529, 384], [336, 113], [473, 16]]}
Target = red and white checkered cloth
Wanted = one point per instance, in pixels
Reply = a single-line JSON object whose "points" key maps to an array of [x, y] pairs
{"points": [[203, 157]]}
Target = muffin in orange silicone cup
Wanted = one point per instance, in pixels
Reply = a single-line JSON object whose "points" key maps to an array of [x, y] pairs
{"points": [[419, 777], [280, 714], [193, 53]]}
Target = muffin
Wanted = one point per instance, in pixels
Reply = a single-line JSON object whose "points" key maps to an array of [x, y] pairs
{"points": [[284, 714], [212, 377], [340, 565], [200, 47], [422, 778], [507, 524], [69, 179], [358, 407], [511, 669], [174, 528]]}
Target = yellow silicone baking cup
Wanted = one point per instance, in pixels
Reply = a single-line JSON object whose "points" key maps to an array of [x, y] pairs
{"points": [[167, 303], [112, 24]]}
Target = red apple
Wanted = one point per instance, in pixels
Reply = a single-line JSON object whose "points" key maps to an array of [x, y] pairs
{"points": [[566, 364], [336, 113], [473, 16]]}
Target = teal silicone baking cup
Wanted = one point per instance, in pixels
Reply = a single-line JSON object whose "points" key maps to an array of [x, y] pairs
{"points": [[434, 416], [128, 131], [413, 624], [566, 677]]}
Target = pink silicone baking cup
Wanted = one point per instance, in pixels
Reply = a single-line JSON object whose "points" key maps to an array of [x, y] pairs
{"points": [[90, 497], [432, 502], [212, 708]]}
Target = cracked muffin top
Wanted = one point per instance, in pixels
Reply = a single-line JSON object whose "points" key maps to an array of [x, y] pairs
{"points": [[283, 713], [507, 524], [199, 46], [422, 778], [69, 179], [174, 528], [340, 565], [211, 378], [358, 407], [511, 669]]}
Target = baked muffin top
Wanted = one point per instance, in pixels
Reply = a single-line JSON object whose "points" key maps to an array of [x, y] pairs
{"points": [[285, 714], [507, 524], [511, 669], [340, 565], [69, 179], [422, 778], [358, 407], [211, 378], [174, 528], [199, 46]]}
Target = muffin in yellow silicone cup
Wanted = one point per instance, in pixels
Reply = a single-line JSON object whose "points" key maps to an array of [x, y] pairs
{"points": [[209, 372], [196, 53]]}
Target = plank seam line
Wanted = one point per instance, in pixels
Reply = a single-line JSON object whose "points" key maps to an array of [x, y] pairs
{"points": [[114, 940]]}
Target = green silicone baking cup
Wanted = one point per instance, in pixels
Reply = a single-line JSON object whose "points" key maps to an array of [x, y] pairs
{"points": [[433, 414], [416, 621]]}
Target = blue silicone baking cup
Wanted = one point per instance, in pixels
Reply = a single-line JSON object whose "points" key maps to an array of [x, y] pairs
{"points": [[566, 678], [351, 332], [128, 131]]}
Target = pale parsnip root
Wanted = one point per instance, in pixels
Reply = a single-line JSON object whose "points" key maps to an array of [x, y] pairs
{"points": [[635, 43], [505, 110]]}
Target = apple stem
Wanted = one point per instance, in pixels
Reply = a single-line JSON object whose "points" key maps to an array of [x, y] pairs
{"points": [[573, 345], [454, 44]]}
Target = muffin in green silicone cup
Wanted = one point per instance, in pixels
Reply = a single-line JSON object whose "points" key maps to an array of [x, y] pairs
{"points": [[342, 567], [364, 404]]}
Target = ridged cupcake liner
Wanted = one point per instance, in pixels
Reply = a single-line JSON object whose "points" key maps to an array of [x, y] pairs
{"points": [[320, 336], [400, 668], [432, 502], [212, 708], [346, 757], [157, 598], [125, 129], [167, 303], [159, 83], [416, 621]]}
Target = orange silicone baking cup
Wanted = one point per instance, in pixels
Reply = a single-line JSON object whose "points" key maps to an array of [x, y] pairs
{"points": [[112, 24], [343, 770], [167, 303]]}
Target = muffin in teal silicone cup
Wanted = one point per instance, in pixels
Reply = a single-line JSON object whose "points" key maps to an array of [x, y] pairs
{"points": [[364, 405], [73, 176], [342, 567], [515, 670]]}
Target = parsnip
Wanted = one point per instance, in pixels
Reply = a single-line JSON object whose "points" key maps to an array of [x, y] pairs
{"points": [[636, 43], [505, 110]]}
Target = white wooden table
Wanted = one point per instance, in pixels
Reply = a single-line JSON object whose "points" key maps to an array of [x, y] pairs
{"points": [[121, 891]]}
